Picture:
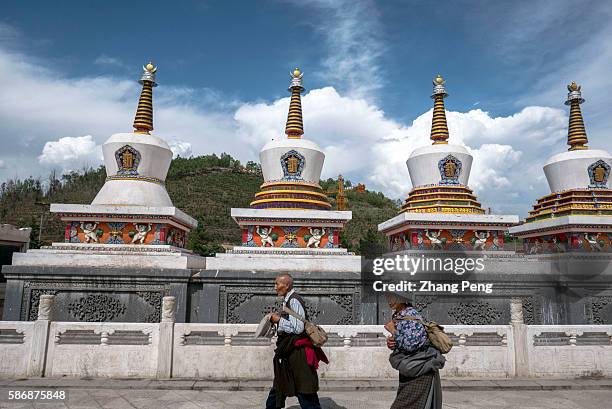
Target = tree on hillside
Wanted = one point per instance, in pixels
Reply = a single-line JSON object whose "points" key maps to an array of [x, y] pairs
{"points": [[202, 242], [372, 245], [206, 187], [253, 167]]}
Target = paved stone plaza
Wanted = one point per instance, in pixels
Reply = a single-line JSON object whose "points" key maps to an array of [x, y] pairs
{"points": [[189, 394], [188, 399]]}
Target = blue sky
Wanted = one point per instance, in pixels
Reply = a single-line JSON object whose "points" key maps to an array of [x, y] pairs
{"points": [[68, 68]]}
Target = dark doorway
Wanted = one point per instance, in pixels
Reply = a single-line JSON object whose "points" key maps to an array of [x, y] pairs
{"points": [[6, 257]]}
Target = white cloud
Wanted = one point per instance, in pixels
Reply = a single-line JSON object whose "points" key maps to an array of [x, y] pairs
{"points": [[345, 127], [2, 164], [108, 61], [8, 33], [352, 33], [71, 153], [180, 148], [492, 167], [362, 143], [39, 104], [508, 151]]}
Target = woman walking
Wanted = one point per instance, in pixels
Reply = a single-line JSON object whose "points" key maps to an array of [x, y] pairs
{"points": [[417, 361]]}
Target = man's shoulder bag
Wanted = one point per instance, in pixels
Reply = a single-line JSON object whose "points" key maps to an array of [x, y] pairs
{"points": [[317, 335], [437, 337]]}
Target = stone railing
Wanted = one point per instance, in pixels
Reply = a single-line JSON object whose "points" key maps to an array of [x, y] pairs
{"points": [[16, 339], [23, 344], [355, 351], [102, 349], [229, 351], [582, 350]]}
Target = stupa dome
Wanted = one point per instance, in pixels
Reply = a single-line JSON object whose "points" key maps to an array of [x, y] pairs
{"points": [[570, 170], [426, 164], [273, 160]]}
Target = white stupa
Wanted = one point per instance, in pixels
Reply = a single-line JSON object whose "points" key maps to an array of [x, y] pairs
{"points": [[441, 211], [575, 216], [132, 212], [290, 224]]}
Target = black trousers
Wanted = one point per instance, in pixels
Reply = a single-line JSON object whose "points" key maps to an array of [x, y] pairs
{"points": [[307, 400]]}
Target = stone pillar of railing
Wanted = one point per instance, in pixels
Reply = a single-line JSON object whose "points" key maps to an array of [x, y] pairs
{"points": [[166, 338], [40, 336], [519, 336]]}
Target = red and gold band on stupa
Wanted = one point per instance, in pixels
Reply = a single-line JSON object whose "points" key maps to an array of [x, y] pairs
{"points": [[595, 200], [441, 198], [291, 195], [292, 192]]}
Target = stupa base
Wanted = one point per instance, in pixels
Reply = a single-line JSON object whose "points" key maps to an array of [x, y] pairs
{"points": [[574, 233], [124, 225], [314, 230], [288, 241], [109, 256], [289, 261], [116, 264], [447, 232]]}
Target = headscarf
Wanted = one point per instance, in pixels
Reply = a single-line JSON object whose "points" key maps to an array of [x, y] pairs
{"points": [[397, 299]]}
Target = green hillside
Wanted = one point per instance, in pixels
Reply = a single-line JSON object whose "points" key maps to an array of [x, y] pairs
{"points": [[205, 187]]}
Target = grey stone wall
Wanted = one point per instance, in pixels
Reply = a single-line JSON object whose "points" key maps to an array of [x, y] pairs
{"points": [[94, 295], [245, 297], [557, 289], [554, 289]]}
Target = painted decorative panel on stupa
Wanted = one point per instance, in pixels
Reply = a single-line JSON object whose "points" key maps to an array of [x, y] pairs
{"points": [[128, 160], [569, 242], [124, 233], [450, 169], [598, 174], [292, 163], [447, 239], [290, 236]]}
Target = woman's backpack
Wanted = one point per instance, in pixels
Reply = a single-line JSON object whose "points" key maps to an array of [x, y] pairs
{"points": [[437, 337], [317, 335]]}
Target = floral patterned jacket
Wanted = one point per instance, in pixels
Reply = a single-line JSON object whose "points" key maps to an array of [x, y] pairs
{"points": [[410, 335]]}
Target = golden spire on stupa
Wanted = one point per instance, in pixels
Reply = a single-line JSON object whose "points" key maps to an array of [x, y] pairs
{"points": [[576, 134], [143, 122], [439, 128], [295, 125]]}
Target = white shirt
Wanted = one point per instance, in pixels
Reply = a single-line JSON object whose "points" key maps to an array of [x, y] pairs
{"points": [[292, 325]]}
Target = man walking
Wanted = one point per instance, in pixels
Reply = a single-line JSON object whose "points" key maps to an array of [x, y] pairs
{"points": [[294, 374]]}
